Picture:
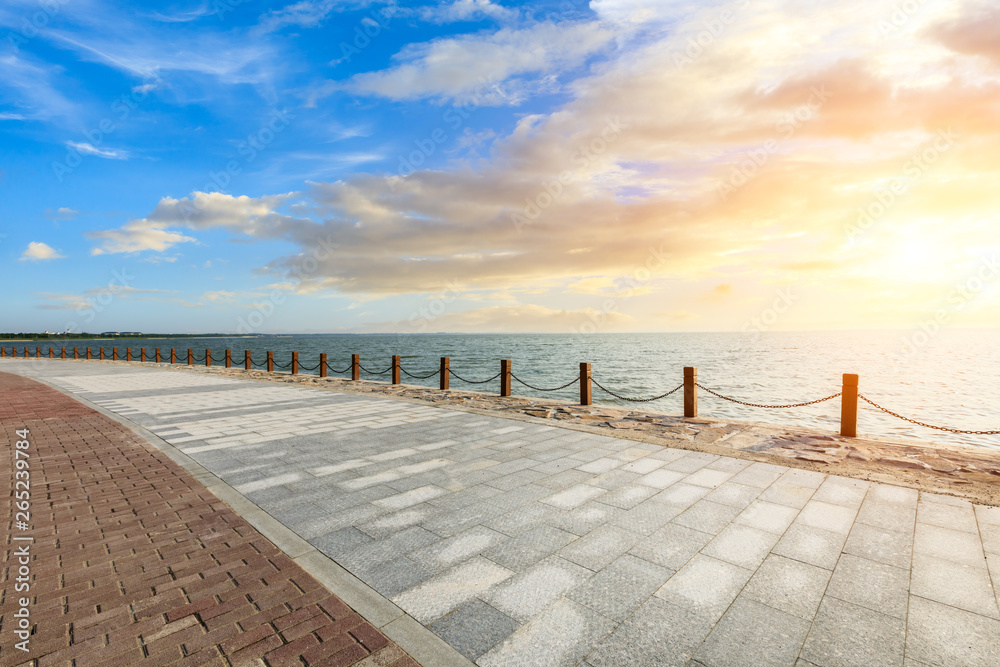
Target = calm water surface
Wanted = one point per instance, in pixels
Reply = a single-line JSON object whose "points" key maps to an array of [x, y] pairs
{"points": [[953, 380]]}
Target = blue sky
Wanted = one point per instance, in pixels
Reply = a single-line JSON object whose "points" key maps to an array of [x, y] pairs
{"points": [[477, 166]]}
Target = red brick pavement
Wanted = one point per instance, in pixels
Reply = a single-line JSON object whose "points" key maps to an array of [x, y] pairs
{"points": [[133, 560]]}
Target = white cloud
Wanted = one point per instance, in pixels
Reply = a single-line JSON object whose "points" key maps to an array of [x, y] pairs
{"points": [[11, 116], [136, 236], [472, 68], [467, 10], [304, 14], [37, 250], [61, 213], [89, 149]]}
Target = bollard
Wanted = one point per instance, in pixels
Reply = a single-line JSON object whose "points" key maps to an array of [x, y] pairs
{"points": [[190, 357], [13, 351], [38, 352], [64, 353], [355, 366], [26, 352], [505, 377], [849, 406], [208, 357], [270, 361], [445, 372], [114, 354], [100, 353], [76, 352], [173, 355], [50, 353], [128, 353], [157, 355], [229, 359], [246, 360], [690, 392], [586, 396], [395, 369], [88, 353], [295, 363], [142, 354], [322, 365], [3, 351]]}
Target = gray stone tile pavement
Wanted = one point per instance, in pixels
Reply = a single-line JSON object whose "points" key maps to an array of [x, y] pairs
{"points": [[526, 544]]}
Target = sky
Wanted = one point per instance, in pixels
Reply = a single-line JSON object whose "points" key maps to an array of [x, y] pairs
{"points": [[478, 166]]}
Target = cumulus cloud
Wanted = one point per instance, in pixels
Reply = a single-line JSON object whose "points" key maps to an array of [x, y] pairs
{"points": [[136, 236], [37, 251], [467, 10]]}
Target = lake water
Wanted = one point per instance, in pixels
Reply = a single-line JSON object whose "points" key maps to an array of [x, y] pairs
{"points": [[952, 380]]}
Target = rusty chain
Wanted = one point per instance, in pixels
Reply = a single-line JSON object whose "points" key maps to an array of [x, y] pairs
{"points": [[761, 405], [374, 372], [635, 400], [473, 381], [920, 423], [568, 384], [419, 377]]}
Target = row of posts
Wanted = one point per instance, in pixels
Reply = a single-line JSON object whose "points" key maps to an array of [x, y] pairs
{"points": [[848, 408]]}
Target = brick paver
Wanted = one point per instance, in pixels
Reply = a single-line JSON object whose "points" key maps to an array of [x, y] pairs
{"points": [[133, 560]]}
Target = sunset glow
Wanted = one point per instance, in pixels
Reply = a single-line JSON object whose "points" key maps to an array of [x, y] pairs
{"points": [[617, 166]]}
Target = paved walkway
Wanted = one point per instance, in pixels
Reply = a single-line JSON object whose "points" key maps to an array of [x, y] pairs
{"points": [[133, 560], [520, 543]]}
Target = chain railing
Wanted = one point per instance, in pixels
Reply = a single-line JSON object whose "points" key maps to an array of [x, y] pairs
{"points": [[531, 386], [456, 375], [637, 400], [920, 423], [764, 405], [418, 377], [849, 395]]}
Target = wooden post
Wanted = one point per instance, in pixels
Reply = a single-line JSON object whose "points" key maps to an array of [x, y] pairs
{"points": [[849, 407], [128, 353], [88, 352], [322, 365], [142, 354], [505, 377], [13, 351], [26, 352], [586, 396], [229, 359], [190, 357], [63, 352], [173, 355], [3, 351], [355, 366], [76, 352], [38, 352], [208, 357], [295, 363], [246, 360], [100, 353], [50, 353], [158, 357], [270, 361], [445, 372], [690, 392], [395, 369]]}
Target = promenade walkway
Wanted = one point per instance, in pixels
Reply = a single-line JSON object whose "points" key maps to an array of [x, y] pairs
{"points": [[520, 543], [131, 559]]}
